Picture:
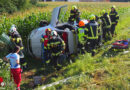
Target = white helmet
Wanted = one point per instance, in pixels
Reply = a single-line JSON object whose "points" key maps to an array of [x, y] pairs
{"points": [[54, 33], [12, 29]]}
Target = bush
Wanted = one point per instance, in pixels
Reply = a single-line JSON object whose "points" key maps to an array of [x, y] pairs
{"points": [[34, 2], [7, 6], [11, 6], [5, 74]]}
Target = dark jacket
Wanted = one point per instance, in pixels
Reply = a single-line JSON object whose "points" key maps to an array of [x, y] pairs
{"points": [[106, 22], [92, 32], [75, 13], [17, 39], [56, 46], [114, 17]]}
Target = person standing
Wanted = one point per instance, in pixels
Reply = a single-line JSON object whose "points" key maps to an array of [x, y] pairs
{"points": [[74, 15], [17, 41], [14, 60], [106, 25], [57, 47], [114, 19], [81, 36], [92, 34], [16, 38], [44, 41]]}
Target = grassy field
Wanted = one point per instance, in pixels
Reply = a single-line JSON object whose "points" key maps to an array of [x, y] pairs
{"points": [[107, 70]]}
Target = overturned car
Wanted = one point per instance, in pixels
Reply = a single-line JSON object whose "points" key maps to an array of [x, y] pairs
{"points": [[63, 28]]}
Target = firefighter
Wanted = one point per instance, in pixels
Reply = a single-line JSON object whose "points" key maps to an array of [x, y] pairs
{"points": [[74, 15], [17, 41], [57, 47], [114, 19], [44, 41], [81, 36], [106, 25], [98, 20], [92, 34], [15, 37]]}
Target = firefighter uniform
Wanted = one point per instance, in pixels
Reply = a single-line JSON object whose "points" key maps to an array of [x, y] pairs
{"points": [[114, 19], [56, 46], [44, 41], [74, 15], [92, 34], [81, 36], [98, 20], [17, 40], [106, 25]]}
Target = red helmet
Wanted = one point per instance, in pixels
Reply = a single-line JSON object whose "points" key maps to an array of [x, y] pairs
{"points": [[48, 30]]}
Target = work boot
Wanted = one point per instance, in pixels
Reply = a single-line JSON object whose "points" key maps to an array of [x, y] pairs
{"points": [[93, 53]]}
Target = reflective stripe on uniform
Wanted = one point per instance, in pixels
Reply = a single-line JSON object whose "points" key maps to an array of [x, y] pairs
{"points": [[91, 31], [18, 40], [56, 54], [72, 14], [45, 47], [21, 48], [117, 15], [13, 39], [108, 26], [92, 37], [113, 22], [42, 39], [112, 14], [105, 21], [92, 34]]}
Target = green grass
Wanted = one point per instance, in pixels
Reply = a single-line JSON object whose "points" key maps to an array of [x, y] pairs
{"points": [[107, 70], [112, 67]]}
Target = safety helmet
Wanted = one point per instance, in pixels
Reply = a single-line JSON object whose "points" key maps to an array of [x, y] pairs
{"points": [[92, 17], [113, 7], [48, 30], [54, 33], [12, 29], [74, 7], [103, 12], [81, 24]]}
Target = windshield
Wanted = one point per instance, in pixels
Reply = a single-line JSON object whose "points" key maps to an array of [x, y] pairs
{"points": [[62, 14]]}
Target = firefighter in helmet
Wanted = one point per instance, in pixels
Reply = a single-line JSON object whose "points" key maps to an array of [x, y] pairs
{"points": [[106, 25], [15, 37], [74, 15], [92, 34], [114, 19], [44, 40], [56, 46], [17, 41], [81, 36]]}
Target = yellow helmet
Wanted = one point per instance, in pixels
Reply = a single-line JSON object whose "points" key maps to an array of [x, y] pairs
{"points": [[92, 17], [113, 7], [74, 7], [103, 12]]}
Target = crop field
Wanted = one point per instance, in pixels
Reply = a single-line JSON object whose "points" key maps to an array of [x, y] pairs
{"points": [[105, 71], [29, 19]]}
